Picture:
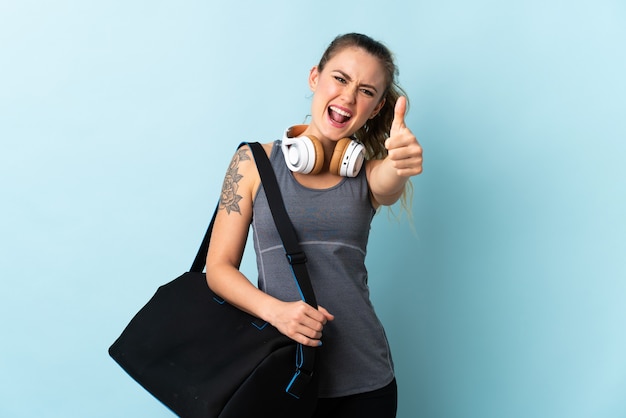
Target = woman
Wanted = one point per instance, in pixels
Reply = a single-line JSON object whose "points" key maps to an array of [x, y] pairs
{"points": [[354, 96]]}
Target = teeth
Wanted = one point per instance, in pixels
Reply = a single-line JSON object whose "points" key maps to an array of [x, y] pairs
{"points": [[341, 112]]}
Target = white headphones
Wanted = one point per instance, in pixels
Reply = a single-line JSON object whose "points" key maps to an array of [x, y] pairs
{"points": [[305, 154]]}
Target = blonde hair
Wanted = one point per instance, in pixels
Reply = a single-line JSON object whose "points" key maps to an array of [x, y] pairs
{"points": [[375, 131]]}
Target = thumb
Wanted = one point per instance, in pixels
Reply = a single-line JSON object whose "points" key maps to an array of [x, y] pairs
{"points": [[398, 114]]}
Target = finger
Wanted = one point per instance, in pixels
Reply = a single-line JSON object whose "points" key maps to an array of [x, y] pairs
{"points": [[313, 331], [303, 330], [304, 340], [314, 324], [319, 315], [408, 167], [309, 334], [312, 343], [398, 114], [328, 315]]}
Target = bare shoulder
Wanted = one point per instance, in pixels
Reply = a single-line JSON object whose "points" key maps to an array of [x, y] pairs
{"points": [[239, 182], [268, 148], [370, 166]]}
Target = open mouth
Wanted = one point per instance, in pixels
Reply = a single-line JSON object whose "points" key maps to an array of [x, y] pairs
{"points": [[339, 115]]}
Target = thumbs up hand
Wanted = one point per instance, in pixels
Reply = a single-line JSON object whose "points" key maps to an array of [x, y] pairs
{"points": [[404, 151]]}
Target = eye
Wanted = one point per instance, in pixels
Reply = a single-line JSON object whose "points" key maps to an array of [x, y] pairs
{"points": [[340, 79], [368, 92]]}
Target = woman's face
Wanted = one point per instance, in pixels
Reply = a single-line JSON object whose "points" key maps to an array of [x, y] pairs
{"points": [[347, 92]]}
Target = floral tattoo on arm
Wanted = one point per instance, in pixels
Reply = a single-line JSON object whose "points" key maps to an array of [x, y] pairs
{"points": [[229, 200]]}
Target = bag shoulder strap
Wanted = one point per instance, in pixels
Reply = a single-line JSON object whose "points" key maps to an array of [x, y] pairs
{"points": [[305, 355], [294, 253]]}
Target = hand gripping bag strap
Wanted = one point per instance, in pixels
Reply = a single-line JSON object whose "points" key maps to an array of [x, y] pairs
{"points": [[305, 359]]}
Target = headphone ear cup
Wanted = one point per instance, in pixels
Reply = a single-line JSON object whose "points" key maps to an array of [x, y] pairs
{"points": [[303, 154], [348, 158], [319, 154], [338, 153]]}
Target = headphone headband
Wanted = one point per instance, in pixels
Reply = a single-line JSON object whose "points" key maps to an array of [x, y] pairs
{"points": [[305, 154]]}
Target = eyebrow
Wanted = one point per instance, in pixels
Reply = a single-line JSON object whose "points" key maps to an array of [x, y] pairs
{"points": [[347, 77]]}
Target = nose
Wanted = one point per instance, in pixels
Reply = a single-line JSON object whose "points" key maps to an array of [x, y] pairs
{"points": [[349, 94]]}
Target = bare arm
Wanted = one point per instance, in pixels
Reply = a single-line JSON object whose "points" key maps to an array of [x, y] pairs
{"points": [[387, 178], [297, 320]]}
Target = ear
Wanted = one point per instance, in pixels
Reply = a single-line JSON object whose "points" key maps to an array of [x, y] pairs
{"points": [[313, 77], [377, 108]]}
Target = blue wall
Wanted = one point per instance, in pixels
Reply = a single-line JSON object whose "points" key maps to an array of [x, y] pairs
{"points": [[117, 120]]}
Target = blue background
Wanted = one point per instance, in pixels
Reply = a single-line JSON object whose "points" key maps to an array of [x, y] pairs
{"points": [[118, 119]]}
